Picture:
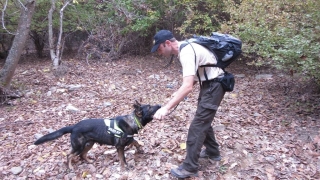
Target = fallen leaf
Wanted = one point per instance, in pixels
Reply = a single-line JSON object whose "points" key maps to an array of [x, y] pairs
{"points": [[84, 174], [166, 150], [183, 146]]}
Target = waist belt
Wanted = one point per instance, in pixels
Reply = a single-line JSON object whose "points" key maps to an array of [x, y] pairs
{"points": [[213, 80]]}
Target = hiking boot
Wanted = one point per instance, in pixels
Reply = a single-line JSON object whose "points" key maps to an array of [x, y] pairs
{"points": [[182, 173], [203, 154]]}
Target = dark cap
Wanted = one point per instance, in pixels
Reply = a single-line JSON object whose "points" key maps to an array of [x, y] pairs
{"points": [[161, 37]]}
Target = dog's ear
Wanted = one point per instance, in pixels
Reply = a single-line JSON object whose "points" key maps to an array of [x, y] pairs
{"points": [[137, 105], [137, 108]]}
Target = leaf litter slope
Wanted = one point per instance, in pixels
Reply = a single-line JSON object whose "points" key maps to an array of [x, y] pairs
{"points": [[266, 128]]}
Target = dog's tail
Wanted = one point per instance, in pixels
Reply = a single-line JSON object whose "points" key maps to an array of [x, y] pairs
{"points": [[54, 135]]}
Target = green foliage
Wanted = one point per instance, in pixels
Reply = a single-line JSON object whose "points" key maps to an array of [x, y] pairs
{"points": [[40, 17], [126, 18], [73, 14], [11, 16], [187, 17], [133, 16], [127, 15], [284, 33], [201, 17]]}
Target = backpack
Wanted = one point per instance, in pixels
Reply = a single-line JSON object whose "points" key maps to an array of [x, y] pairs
{"points": [[226, 49]]}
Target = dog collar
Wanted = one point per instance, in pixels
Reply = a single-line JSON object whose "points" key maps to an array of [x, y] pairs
{"points": [[137, 122]]}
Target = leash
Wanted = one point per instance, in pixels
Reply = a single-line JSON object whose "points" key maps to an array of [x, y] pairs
{"points": [[174, 109], [176, 106]]}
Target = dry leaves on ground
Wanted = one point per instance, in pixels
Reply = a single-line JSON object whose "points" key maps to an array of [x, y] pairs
{"points": [[267, 127]]}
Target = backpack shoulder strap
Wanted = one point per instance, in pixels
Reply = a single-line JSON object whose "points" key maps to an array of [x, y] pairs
{"points": [[195, 58], [183, 45]]}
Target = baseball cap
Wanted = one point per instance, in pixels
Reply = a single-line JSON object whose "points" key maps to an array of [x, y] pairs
{"points": [[161, 37]]}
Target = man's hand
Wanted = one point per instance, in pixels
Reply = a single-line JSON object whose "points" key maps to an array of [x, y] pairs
{"points": [[177, 97], [161, 113]]}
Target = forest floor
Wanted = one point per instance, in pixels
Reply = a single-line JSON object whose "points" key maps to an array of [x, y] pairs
{"points": [[267, 128]]}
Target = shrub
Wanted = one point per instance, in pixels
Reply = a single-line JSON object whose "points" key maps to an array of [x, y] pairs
{"points": [[284, 33]]}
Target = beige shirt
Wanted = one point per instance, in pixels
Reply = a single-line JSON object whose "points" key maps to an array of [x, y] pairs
{"points": [[204, 56]]}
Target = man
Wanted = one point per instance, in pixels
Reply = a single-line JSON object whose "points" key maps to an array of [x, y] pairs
{"points": [[211, 94]]}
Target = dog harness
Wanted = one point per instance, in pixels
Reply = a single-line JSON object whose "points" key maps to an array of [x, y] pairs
{"points": [[114, 129]]}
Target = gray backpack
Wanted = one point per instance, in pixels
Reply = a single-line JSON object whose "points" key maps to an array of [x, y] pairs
{"points": [[226, 48]]}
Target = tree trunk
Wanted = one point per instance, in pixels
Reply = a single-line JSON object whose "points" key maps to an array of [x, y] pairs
{"points": [[18, 44], [54, 58], [39, 41], [55, 53]]}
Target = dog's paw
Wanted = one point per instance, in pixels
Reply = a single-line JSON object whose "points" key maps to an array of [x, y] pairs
{"points": [[140, 151], [89, 161], [70, 167], [129, 167], [85, 157]]}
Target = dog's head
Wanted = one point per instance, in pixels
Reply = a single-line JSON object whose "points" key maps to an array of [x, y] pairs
{"points": [[145, 112]]}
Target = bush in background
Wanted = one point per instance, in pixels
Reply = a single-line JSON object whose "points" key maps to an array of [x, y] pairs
{"points": [[286, 34]]}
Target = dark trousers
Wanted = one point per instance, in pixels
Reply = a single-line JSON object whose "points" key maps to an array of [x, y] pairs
{"points": [[200, 131]]}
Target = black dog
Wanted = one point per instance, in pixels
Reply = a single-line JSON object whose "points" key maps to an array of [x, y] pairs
{"points": [[117, 132]]}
